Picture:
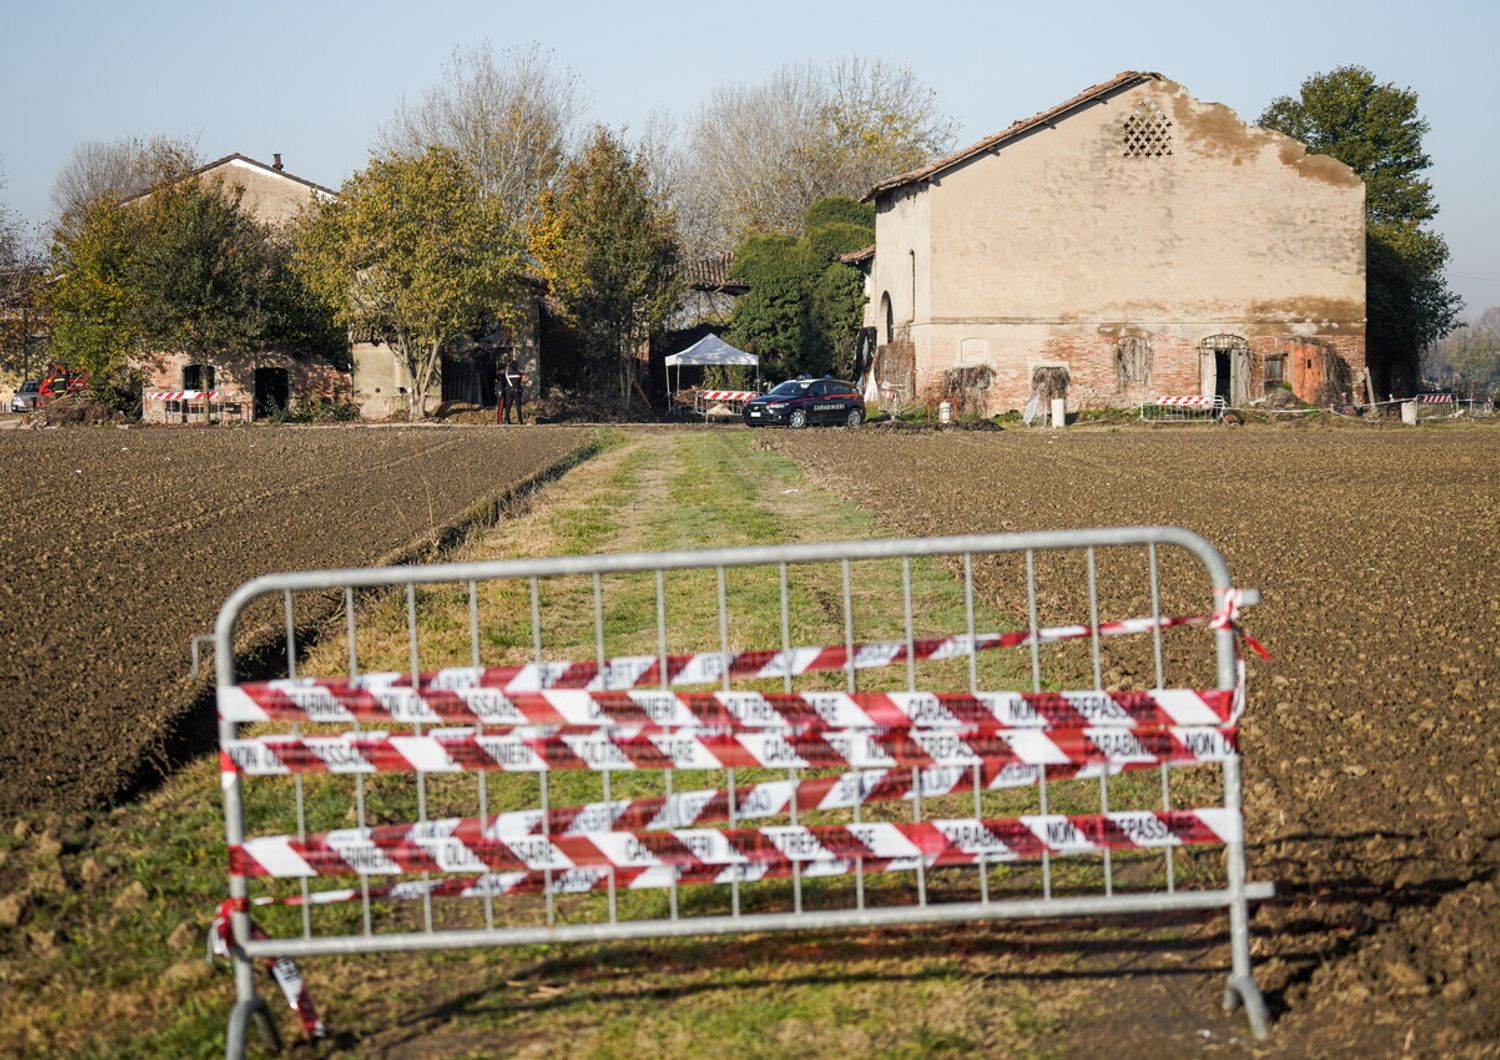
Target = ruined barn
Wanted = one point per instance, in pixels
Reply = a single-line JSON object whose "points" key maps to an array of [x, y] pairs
{"points": [[1146, 242]]}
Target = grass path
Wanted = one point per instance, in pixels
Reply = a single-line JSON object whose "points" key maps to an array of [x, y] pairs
{"points": [[105, 960]]}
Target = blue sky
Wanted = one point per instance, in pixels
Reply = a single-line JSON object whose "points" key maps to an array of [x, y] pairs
{"points": [[313, 80]]}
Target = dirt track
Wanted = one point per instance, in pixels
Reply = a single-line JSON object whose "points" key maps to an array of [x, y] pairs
{"points": [[1372, 775], [118, 545]]}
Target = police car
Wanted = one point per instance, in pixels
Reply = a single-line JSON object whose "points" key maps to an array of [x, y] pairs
{"points": [[798, 402]]}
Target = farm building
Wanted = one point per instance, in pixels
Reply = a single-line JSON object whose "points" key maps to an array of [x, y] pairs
{"points": [[253, 386], [1149, 243]]}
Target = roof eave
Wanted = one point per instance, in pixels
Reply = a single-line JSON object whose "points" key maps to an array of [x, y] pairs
{"points": [[1119, 83]]}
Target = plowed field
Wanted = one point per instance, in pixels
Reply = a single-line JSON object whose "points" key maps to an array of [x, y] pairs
{"points": [[117, 546], [1372, 771]]}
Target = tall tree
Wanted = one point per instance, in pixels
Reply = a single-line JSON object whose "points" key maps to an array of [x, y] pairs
{"points": [[758, 156], [1469, 356], [771, 319], [116, 169], [1377, 130], [414, 250], [511, 117], [608, 249], [804, 308], [21, 269]]}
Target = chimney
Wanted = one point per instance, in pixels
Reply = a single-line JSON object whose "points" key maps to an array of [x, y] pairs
{"points": [[276, 161]]}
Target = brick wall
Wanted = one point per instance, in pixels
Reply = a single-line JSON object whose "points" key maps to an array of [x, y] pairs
{"points": [[1175, 367]]}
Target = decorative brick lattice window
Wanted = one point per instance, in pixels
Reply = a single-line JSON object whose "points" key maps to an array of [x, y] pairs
{"points": [[1147, 132]]}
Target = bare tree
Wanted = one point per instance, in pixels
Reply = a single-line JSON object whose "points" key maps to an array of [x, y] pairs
{"points": [[22, 325], [119, 168], [512, 117], [757, 156]]}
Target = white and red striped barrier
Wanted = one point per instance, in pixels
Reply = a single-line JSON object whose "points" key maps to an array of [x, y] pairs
{"points": [[392, 694], [959, 841], [773, 798], [494, 708], [726, 395], [182, 395], [1187, 401], [642, 748], [1435, 399]]}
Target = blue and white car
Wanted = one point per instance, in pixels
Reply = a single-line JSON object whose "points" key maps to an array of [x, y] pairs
{"points": [[799, 402]]}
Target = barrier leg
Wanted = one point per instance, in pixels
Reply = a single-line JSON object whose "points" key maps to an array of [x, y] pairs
{"points": [[1240, 988], [239, 1022]]}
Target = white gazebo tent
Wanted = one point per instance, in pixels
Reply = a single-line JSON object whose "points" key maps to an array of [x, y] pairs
{"points": [[709, 350]]}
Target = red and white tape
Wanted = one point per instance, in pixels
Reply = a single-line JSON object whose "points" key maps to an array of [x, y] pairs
{"points": [[380, 694], [639, 747], [772, 798], [737, 710], [283, 970], [1190, 401], [938, 842]]}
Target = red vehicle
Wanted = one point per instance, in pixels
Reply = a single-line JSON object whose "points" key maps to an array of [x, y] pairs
{"points": [[60, 381]]}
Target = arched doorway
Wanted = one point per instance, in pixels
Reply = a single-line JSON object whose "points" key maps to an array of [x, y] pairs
{"points": [[1224, 361], [273, 392], [888, 316]]}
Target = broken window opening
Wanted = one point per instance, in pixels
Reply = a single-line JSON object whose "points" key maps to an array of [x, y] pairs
{"points": [[1132, 362]]}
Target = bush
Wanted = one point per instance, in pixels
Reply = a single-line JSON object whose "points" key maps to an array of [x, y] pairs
{"points": [[120, 390], [319, 411]]}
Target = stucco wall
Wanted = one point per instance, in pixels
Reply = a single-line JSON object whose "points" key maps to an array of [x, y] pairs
{"points": [[1055, 244], [903, 260], [270, 198]]}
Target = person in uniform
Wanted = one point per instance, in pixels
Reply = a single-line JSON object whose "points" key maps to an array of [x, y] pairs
{"points": [[511, 402]]}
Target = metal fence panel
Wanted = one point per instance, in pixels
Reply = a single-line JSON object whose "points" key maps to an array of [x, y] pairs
{"points": [[939, 776]]}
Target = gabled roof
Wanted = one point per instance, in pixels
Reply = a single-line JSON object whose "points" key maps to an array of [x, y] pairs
{"points": [[247, 161], [858, 257], [1123, 80]]}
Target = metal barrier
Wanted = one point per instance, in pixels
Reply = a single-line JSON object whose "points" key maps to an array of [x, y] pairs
{"points": [[1184, 408], [1449, 406], [734, 399], [192, 406], [818, 749]]}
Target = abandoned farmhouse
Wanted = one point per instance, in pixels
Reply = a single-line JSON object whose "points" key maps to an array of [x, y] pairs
{"points": [[1145, 241], [374, 377]]}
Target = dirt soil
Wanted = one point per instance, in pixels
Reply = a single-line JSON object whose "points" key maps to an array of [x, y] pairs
{"points": [[1371, 770], [118, 545]]}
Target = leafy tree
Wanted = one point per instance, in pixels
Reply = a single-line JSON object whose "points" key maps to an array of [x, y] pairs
{"points": [[1377, 131], [608, 249], [804, 306], [771, 319], [840, 209], [96, 308], [413, 249]]}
